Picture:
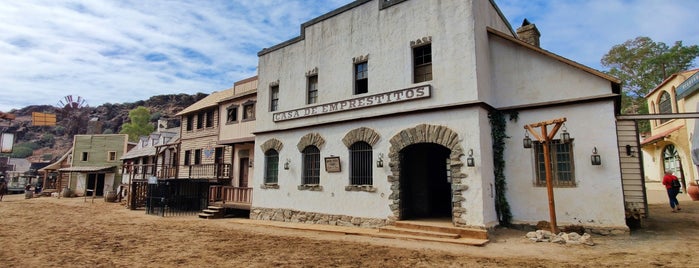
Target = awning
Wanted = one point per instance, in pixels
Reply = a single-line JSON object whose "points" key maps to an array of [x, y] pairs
{"points": [[660, 135], [86, 169]]}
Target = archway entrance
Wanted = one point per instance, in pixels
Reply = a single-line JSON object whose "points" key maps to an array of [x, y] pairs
{"points": [[425, 188]]}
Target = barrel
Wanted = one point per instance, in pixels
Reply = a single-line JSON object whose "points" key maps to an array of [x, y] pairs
{"points": [[111, 196]]}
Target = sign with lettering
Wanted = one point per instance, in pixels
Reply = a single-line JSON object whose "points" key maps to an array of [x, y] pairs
{"points": [[332, 164], [401, 95]]}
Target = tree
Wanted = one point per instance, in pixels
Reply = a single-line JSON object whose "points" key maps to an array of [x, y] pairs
{"points": [[642, 64], [139, 125]]}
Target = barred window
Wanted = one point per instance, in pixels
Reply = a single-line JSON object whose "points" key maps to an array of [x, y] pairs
{"points": [[271, 166], [311, 165], [562, 166], [360, 164]]}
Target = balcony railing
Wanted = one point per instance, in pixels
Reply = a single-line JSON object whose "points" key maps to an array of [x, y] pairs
{"points": [[238, 197], [202, 171], [208, 171]]}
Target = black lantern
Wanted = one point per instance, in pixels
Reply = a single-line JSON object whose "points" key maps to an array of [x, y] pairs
{"points": [[595, 158], [470, 161], [286, 164], [379, 162], [565, 136], [527, 142]]}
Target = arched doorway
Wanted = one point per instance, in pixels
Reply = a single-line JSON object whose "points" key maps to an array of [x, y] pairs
{"points": [[425, 187], [671, 161]]}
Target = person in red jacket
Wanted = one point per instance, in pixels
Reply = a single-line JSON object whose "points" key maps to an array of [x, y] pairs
{"points": [[672, 191]]}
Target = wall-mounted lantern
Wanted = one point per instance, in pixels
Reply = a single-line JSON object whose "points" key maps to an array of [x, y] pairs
{"points": [[629, 151], [470, 161], [286, 164], [595, 158], [527, 142], [251, 163], [379, 162], [565, 136]]}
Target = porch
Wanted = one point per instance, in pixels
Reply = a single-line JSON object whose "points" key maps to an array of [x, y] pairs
{"points": [[230, 196]]}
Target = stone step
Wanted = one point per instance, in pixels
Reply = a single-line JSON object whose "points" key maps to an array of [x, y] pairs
{"points": [[215, 207], [415, 232], [212, 211], [440, 227], [205, 215]]}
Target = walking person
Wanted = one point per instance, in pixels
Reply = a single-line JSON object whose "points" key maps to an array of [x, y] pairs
{"points": [[672, 184]]}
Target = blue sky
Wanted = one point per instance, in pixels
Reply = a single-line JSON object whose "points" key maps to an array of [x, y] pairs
{"points": [[130, 50]]}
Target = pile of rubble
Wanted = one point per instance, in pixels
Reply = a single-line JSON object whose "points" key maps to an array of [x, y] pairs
{"points": [[561, 238]]}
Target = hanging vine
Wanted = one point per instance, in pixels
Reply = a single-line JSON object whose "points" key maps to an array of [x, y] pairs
{"points": [[498, 126]]}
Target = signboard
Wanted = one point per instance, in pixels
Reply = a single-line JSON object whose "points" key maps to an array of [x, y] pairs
{"points": [[43, 119], [7, 140], [401, 95], [688, 86], [332, 164], [152, 180]]}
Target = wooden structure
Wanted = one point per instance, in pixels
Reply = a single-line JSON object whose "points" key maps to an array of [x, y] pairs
{"points": [[545, 138]]}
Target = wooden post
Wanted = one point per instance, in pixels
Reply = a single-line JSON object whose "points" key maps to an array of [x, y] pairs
{"points": [[545, 140]]}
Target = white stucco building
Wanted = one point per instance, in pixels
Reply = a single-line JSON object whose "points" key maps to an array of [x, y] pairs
{"points": [[372, 114]]}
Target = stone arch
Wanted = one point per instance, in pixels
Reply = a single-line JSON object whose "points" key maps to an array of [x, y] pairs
{"points": [[310, 139], [272, 144], [364, 134], [436, 134]]}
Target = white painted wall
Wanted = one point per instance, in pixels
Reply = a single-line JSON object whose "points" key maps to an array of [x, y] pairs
{"points": [[385, 36], [333, 199], [597, 199]]}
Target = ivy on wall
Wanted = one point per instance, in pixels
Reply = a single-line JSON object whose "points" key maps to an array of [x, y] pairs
{"points": [[498, 127]]}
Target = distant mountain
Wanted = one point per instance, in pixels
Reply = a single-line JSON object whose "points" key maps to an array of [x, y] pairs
{"points": [[49, 143]]}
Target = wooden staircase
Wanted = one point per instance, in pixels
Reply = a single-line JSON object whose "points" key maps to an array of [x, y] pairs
{"points": [[439, 231], [212, 212]]}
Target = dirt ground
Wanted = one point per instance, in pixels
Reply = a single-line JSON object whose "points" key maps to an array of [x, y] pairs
{"points": [[70, 232]]}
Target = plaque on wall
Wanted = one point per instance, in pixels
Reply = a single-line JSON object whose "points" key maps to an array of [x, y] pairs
{"points": [[332, 164]]}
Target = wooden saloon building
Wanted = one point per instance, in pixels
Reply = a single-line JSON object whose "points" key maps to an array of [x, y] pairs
{"points": [[384, 110]]}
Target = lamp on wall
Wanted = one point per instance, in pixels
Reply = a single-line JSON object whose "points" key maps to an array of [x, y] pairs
{"points": [[470, 161], [379, 162], [251, 163], [595, 158], [527, 142], [286, 164], [565, 136], [629, 151]]}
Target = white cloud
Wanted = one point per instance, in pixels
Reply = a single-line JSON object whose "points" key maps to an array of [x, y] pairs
{"points": [[123, 51]]}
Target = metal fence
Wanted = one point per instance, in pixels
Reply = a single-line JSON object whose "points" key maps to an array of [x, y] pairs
{"points": [[177, 197]]}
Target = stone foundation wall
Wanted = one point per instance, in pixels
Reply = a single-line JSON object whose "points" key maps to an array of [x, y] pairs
{"points": [[598, 230], [289, 215]]}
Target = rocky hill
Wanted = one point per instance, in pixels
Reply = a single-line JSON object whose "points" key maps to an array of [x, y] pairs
{"points": [[50, 143]]}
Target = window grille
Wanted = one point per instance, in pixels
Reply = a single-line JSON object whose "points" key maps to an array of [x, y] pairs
{"points": [[422, 63], [562, 166], [311, 165], [361, 78], [360, 164], [312, 89], [271, 166], [665, 105], [274, 99]]}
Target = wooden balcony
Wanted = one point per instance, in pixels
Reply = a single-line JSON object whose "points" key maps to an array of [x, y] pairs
{"points": [[231, 196], [206, 171]]}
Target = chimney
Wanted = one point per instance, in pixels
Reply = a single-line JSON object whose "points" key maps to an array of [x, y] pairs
{"points": [[162, 124], [529, 33]]}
